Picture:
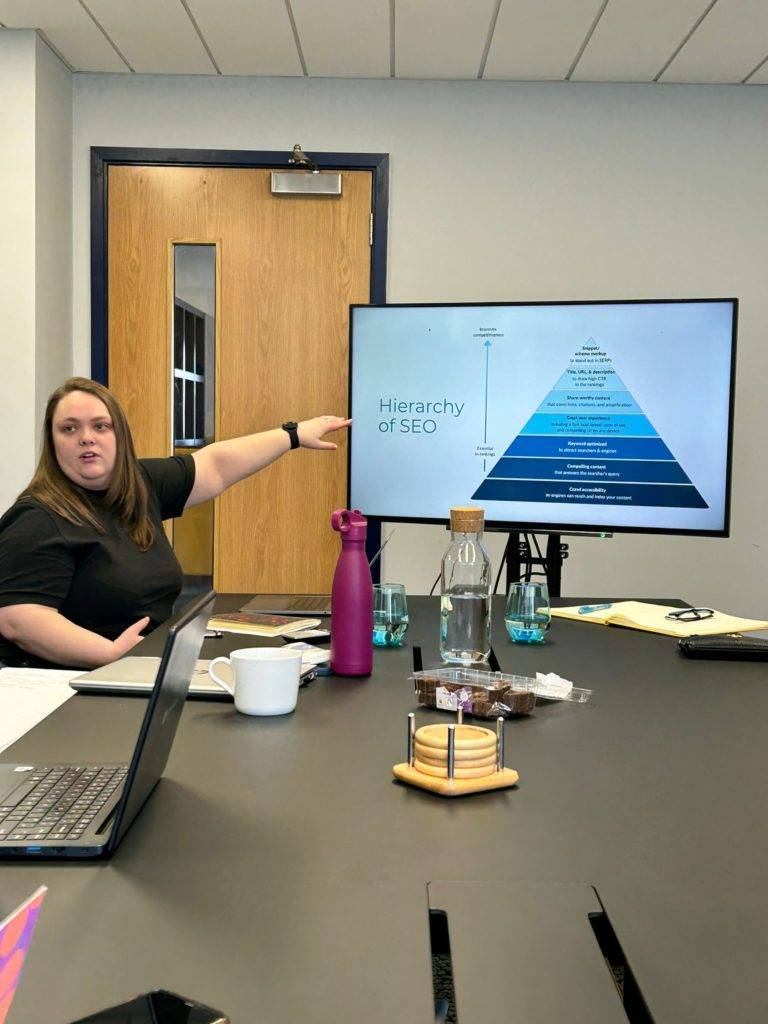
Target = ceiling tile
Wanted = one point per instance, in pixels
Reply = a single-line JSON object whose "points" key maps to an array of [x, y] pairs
{"points": [[353, 42], [155, 36], [248, 37], [730, 41], [68, 27], [440, 38], [538, 39], [634, 39]]}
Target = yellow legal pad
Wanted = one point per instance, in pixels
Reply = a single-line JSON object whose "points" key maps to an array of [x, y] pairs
{"points": [[650, 617]]}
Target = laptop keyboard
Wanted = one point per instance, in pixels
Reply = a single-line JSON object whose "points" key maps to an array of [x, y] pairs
{"points": [[58, 801]]}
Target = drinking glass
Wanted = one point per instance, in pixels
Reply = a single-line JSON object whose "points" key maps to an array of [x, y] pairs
{"points": [[527, 616], [390, 615]]}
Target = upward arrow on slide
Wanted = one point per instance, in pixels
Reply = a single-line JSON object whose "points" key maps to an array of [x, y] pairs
{"points": [[485, 426]]}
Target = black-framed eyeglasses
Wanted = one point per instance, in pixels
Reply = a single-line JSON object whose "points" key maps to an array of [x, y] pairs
{"points": [[691, 614]]}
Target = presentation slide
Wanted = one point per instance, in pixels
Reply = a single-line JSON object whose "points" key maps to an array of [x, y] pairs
{"points": [[594, 415]]}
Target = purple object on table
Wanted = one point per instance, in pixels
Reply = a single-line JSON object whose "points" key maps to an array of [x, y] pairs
{"points": [[15, 936], [351, 598]]}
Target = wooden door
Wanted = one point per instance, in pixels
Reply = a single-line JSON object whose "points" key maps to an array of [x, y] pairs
{"points": [[288, 268]]}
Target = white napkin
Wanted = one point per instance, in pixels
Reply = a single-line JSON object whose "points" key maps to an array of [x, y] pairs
{"points": [[553, 686]]}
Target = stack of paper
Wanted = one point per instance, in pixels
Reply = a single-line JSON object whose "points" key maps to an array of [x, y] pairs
{"points": [[259, 623], [27, 696], [652, 618]]}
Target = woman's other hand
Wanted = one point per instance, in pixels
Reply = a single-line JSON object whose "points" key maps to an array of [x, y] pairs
{"points": [[43, 632], [311, 432], [129, 638]]}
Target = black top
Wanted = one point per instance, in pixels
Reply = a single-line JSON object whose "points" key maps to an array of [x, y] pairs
{"points": [[102, 582]]}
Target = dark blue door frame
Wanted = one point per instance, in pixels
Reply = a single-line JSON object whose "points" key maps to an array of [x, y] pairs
{"points": [[102, 158]]}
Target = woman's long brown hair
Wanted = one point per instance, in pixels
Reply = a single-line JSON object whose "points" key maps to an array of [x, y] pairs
{"points": [[126, 493]]}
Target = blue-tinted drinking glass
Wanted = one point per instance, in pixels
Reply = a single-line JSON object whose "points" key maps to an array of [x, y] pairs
{"points": [[390, 615], [527, 616]]}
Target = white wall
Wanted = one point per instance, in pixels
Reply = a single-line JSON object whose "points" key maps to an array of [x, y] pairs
{"points": [[519, 191], [17, 260], [53, 225], [36, 250]]}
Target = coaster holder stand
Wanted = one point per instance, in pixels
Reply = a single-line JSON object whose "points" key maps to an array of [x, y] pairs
{"points": [[432, 765]]}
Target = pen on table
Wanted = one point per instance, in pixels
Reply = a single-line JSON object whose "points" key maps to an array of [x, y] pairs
{"points": [[585, 609], [389, 538], [213, 634]]}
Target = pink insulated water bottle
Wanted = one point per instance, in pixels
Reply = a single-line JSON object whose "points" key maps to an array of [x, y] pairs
{"points": [[351, 599]]}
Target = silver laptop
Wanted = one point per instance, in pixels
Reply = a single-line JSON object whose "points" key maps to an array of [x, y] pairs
{"points": [[133, 675], [290, 604]]}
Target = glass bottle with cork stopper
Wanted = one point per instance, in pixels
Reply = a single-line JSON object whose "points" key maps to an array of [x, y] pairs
{"points": [[465, 591]]}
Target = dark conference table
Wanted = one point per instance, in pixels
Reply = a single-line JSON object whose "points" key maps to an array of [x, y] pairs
{"points": [[280, 874]]}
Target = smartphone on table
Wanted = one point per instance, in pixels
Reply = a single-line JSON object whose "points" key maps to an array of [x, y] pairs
{"points": [[158, 1007]]}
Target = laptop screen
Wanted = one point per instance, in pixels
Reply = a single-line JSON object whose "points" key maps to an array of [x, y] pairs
{"points": [[182, 649]]}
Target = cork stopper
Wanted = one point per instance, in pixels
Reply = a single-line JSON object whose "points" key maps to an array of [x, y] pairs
{"points": [[467, 519]]}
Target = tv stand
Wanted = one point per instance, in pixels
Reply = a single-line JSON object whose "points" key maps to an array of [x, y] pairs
{"points": [[521, 562]]}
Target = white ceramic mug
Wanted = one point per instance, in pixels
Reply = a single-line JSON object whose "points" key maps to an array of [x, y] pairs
{"points": [[266, 679]]}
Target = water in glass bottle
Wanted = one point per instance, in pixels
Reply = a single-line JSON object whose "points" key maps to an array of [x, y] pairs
{"points": [[465, 591]]}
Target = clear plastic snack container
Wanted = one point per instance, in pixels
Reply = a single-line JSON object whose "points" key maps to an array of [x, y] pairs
{"points": [[477, 692], [486, 694]]}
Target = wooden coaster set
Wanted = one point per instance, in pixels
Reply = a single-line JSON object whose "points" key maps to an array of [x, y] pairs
{"points": [[455, 760]]}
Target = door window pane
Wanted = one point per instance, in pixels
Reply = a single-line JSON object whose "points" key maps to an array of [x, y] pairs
{"points": [[194, 327], [193, 347]]}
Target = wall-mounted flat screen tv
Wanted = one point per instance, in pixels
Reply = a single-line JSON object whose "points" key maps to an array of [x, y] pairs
{"points": [[559, 416]]}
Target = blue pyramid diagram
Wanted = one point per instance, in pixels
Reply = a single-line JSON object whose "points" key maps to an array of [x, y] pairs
{"points": [[589, 442]]}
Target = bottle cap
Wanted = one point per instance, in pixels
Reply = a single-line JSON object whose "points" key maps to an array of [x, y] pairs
{"points": [[350, 523], [467, 519]]}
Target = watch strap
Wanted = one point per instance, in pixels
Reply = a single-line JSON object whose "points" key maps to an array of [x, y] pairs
{"points": [[292, 430]]}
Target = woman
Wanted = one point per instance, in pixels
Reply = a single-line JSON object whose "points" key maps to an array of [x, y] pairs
{"points": [[85, 565]]}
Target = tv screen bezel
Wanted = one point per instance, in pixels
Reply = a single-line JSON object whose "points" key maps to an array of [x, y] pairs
{"points": [[520, 526]]}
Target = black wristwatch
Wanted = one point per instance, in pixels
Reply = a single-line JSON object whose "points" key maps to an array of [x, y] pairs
{"points": [[292, 429]]}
